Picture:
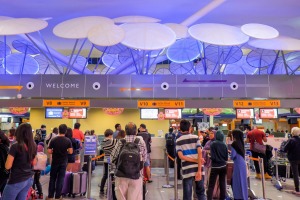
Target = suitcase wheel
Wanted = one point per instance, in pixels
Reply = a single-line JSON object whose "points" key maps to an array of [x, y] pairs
{"points": [[73, 195]]}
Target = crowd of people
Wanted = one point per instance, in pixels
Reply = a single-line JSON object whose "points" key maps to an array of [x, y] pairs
{"points": [[202, 159]]}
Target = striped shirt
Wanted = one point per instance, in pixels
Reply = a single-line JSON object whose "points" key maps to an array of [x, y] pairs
{"points": [[108, 145], [129, 138], [188, 144]]}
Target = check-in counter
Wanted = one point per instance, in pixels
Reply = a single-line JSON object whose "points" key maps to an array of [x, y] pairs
{"points": [[275, 142], [157, 151]]}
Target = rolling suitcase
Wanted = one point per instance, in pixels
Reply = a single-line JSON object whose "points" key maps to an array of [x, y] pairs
{"points": [[229, 168], [78, 183], [67, 184]]}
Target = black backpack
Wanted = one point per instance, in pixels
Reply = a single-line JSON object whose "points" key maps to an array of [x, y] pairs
{"points": [[170, 140], [129, 161], [38, 135]]}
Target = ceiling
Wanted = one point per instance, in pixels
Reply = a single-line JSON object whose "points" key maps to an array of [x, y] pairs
{"points": [[283, 15]]}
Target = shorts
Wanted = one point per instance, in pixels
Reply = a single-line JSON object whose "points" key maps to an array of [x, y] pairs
{"points": [[147, 162]]}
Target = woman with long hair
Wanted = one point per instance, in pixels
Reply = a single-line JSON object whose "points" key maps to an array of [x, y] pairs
{"points": [[239, 176], [75, 146], [229, 140], [20, 159], [4, 148]]}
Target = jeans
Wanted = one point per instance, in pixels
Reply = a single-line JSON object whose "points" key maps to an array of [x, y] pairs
{"points": [[105, 175], [187, 184], [57, 176], [3, 182], [17, 191], [263, 156], [36, 182], [295, 165], [214, 173]]}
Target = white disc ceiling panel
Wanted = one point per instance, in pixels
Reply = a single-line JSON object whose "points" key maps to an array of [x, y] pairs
{"points": [[218, 34], [106, 35], [4, 18], [78, 28], [16, 26], [180, 30], [260, 31], [148, 36], [279, 43], [135, 19]]}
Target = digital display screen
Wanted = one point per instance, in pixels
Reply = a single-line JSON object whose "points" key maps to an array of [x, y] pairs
{"points": [[268, 113], [151, 113], [77, 113], [244, 113], [55, 113], [172, 113]]}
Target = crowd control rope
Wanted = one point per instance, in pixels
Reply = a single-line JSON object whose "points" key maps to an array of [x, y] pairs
{"points": [[98, 157], [255, 159], [173, 159]]}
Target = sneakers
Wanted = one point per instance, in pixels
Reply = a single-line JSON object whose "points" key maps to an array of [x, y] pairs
{"points": [[149, 181], [258, 176], [297, 193], [267, 176], [40, 196], [47, 198]]}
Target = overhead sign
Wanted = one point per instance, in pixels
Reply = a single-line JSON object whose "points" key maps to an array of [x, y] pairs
{"points": [[90, 145], [161, 103], [66, 103], [256, 103], [244, 113], [268, 113]]}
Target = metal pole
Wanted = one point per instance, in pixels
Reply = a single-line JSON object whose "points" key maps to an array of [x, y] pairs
{"points": [[167, 175], [165, 158], [89, 177], [109, 189], [175, 180], [261, 165]]}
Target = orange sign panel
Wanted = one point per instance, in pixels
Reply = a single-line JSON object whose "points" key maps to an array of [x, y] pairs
{"points": [[256, 103], [65, 103], [161, 103]]}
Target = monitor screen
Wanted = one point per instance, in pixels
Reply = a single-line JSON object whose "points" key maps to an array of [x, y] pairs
{"points": [[77, 113], [268, 113], [257, 121], [172, 113], [55, 113], [151, 113], [244, 113]]}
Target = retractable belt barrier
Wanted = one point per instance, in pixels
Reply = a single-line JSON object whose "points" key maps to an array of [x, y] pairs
{"points": [[262, 171], [167, 171], [98, 157]]}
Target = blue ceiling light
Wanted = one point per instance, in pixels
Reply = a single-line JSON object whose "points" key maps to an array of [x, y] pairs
{"points": [[223, 54], [20, 63], [4, 50], [184, 50], [292, 61], [240, 67], [260, 58], [25, 46], [46, 67], [181, 68]]}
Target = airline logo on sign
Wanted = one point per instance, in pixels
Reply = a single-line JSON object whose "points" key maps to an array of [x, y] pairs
{"points": [[256, 103], [161, 104], [66, 103]]}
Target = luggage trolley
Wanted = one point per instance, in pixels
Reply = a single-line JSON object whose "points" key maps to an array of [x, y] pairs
{"points": [[275, 179]]}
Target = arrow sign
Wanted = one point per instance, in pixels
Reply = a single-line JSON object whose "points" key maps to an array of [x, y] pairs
{"points": [[204, 81], [11, 87]]}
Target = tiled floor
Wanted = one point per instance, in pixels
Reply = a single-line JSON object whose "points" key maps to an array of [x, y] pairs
{"points": [[156, 192]]}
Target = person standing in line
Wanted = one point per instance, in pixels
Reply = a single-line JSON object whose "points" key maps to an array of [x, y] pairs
{"points": [[20, 159], [59, 147], [229, 140], [170, 145], [51, 135], [4, 149], [75, 146], [108, 145], [121, 134], [43, 133], [260, 137], [239, 176], [147, 139], [117, 129], [37, 175], [78, 134], [292, 148], [12, 136], [189, 150], [219, 157]]}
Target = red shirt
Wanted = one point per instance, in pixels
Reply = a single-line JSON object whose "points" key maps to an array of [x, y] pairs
{"points": [[257, 135], [78, 134]]}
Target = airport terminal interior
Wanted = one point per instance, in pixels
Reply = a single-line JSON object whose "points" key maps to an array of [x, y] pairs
{"points": [[226, 64]]}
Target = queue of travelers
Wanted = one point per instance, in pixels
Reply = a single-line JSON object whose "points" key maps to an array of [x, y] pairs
{"points": [[203, 160]]}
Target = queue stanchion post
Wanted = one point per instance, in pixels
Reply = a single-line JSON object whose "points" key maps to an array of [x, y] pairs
{"points": [[167, 174], [89, 186], [261, 165], [175, 180], [109, 189], [165, 161]]}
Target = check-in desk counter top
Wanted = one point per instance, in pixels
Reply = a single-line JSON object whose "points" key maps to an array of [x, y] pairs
{"points": [[157, 151]]}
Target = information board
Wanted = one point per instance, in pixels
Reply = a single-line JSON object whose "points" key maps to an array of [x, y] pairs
{"points": [[90, 145], [268, 113], [256, 103], [161, 103], [65, 103]]}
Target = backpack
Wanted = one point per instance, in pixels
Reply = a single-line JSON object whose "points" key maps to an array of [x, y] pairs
{"points": [[170, 140], [38, 136], [147, 139], [129, 161], [41, 161]]}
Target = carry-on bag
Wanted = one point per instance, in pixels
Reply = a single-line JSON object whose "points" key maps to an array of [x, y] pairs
{"points": [[78, 183], [66, 190]]}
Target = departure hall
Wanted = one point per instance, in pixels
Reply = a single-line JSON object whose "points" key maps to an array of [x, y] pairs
{"points": [[224, 69]]}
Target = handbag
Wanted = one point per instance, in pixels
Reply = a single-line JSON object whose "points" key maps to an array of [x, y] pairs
{"points": [[258, 148]]}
